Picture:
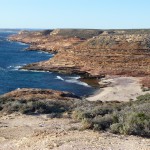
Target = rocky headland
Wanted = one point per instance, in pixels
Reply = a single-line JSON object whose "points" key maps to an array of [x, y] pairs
{"points": [[91, 53]]}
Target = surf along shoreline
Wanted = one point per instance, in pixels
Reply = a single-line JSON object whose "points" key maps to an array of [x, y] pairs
{"points": [[58, 42], [80, 78]]}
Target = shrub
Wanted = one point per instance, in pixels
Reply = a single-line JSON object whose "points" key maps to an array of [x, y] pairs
{"points": [[133, 123], [102, 110], [102, 122], [80, 115], [32, 106], [116, 128], [144, 98], [86, 124], [122, 118]]}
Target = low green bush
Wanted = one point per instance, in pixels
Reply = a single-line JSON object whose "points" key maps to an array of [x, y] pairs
{"points": [[133, 123], [102, 122], [121, 118], [32, 106], [143, 98]]}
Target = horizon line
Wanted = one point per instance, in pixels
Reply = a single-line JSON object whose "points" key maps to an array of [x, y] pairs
{"points": [[75, 28]]}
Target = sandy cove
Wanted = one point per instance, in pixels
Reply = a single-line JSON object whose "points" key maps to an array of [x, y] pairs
{"points": [[93, 54], [118, 89]]}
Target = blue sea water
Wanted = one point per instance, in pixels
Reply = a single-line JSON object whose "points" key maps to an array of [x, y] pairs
{"points": [[13, 56]]}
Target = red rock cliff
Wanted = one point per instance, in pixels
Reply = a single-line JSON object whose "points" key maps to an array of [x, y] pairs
{"points": [[91, 52]]}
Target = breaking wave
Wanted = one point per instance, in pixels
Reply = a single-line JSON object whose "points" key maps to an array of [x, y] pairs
{"points": [[47, 53], [60, 78], [35, 70], [20, 43], [74, 80], [15, 67]]}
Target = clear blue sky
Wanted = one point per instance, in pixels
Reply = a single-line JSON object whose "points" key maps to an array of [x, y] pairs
{"points": [[102, 14]]}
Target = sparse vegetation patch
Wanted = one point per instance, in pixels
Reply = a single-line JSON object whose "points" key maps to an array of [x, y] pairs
{"points": [[132, 118]]}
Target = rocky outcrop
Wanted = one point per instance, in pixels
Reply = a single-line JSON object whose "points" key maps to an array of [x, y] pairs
{"points": [[38, 94], [92, 53], [46, 42]]}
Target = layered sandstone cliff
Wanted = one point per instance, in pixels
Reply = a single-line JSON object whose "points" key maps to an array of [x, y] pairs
{"points": [[92, 53]]}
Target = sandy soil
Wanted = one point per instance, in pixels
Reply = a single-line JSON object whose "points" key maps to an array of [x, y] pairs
{"points": [[119, 89], [22, 132]]}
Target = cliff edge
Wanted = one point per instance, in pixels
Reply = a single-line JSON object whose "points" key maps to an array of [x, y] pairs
{"points": [[91, 53]]}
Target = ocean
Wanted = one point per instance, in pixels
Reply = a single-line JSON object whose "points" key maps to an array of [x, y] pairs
{"points": [[13, 55]]}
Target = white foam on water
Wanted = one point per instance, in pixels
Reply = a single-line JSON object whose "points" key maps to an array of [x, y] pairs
{"points": [[20, 43], [43, 52], [60, 78], [77, 82], [9, 67], [35, 70], [73, 80], [17, 67], [40, 52]]}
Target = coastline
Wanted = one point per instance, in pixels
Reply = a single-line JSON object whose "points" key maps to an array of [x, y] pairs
{"points": [[59, 129], [72, 57], [93, 82], [119, 88], [48, 81]]}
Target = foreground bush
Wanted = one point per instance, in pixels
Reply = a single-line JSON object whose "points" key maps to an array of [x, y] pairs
{"points": [[121, 118], [32, 106], [133, 123]]}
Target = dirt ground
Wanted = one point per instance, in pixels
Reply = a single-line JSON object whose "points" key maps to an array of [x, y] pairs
{"points": [[33, 132]]}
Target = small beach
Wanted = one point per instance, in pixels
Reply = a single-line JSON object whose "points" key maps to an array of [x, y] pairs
{"points": [[118, 89]]}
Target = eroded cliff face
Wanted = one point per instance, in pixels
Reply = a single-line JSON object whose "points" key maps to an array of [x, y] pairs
{"points": [[92, 53]]}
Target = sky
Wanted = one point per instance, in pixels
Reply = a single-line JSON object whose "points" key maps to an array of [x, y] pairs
{"points": [[97, 14]]}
